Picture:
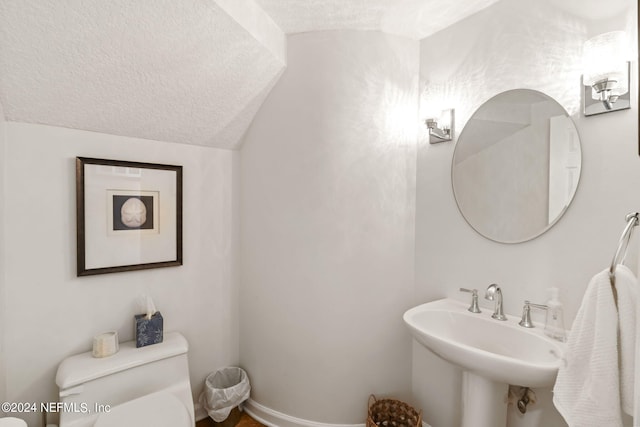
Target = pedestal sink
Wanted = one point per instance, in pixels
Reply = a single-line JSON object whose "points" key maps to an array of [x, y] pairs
{"points": [[492, 354]]}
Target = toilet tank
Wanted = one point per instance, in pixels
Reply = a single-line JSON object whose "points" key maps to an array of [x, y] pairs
{"points": [[91, 386]]}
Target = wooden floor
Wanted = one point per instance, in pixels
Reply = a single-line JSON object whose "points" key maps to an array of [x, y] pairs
{"points": [[245, 421]]}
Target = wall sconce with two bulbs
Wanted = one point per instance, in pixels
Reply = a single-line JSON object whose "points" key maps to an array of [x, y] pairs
{"points": [[606, 73]]}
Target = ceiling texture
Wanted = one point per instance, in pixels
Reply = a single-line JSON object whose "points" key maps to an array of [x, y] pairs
{"points": [[186, 71]]}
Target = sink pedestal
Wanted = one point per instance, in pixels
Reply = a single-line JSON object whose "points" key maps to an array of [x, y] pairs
{"points": [[491, 353], [484, 402]]}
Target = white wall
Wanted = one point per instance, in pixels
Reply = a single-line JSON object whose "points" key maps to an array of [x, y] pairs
{"points": [[515, 44], [2, 254], [327, 239], [52, 314]]}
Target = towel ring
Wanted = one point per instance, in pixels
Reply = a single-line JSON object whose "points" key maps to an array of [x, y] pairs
{"points": [[623, 244]]}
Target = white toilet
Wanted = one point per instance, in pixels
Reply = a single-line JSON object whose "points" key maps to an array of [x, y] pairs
{"points": [[12, 422], [137, 387]]}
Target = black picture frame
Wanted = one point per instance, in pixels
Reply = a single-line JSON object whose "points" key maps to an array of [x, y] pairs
{"points": [[128, 216]]}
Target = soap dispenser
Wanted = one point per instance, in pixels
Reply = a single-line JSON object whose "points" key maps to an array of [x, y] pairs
{"points": [[554, 323]]}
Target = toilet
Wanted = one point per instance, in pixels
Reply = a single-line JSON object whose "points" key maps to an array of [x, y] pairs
{"points": [[12, 422], [146, 386]]}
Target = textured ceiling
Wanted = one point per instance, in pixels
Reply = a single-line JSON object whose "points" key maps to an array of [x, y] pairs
{"points": [[179, 71], [592, 9], [411, 18]]}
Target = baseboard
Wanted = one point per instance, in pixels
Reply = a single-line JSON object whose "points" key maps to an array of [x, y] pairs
{"points": [[199, 412], [271, 418]]}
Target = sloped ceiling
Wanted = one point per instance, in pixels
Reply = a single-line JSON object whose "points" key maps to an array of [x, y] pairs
{"points": [[188, 71], [179, 71]]}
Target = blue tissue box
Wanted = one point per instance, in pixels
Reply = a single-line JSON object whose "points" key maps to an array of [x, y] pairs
{"points": [[148, 331]]}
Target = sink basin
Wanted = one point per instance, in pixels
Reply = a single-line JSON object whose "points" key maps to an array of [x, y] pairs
{"points": [[500, 351]]}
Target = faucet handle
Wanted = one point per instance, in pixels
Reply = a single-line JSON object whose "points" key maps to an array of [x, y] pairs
{"points": [[474, 300], [526, 322]]}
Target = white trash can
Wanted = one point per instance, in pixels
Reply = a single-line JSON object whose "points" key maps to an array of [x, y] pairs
{"points": [[224, 390]]}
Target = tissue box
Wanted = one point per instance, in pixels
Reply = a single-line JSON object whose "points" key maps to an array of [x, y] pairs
{"points": [[148, 331]]}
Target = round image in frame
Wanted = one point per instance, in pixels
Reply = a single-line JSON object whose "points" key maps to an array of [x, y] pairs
{"points": [[133, 213]]}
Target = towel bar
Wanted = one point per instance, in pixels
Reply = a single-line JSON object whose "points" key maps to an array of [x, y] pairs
{"points": [[632, 221]]}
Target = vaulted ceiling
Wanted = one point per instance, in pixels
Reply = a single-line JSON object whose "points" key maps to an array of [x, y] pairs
{"points": [[187, 71]]}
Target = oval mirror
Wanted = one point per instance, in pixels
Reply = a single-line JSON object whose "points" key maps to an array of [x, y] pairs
{"points": [[516, 166]]}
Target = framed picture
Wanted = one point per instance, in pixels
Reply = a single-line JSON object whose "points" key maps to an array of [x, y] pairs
{"points": [[129, 216]]}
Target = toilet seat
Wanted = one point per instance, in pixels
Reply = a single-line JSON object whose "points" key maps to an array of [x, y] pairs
{"points": [[160, 409]]}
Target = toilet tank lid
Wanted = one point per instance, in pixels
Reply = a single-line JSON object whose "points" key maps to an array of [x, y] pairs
{"points": [[81, 368]]}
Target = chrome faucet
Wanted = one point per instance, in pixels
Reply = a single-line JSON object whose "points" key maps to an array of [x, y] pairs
{"points": [[494, 293], [474, 308], [526, 313]]}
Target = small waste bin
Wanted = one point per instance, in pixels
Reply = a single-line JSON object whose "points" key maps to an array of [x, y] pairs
{"points": [[225, 390], [392, 413]]}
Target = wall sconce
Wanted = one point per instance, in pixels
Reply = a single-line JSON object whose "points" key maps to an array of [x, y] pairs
{"points": [[441, 128], [606, 74]]}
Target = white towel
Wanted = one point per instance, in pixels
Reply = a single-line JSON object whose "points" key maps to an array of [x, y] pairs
{"points": [[627, 288], [595, 383]]}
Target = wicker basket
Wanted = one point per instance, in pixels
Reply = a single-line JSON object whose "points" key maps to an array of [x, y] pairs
{"points": [[392, 413]]}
